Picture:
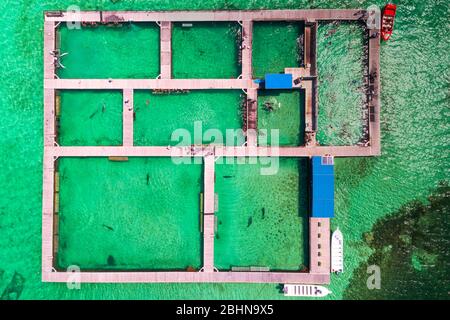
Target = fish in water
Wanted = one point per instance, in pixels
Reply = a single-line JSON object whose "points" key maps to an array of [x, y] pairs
{"points": [[263, 212], [250, 221], [93, 114], [108, 227], [103, 108], [148, 178], [227, 177]]}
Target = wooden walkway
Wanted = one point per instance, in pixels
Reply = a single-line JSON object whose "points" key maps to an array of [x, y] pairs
{"points": [[48, 183], [251, 118], [219, 151], [169, 84], [319, 245]]}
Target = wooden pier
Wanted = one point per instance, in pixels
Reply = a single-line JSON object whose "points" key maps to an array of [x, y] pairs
{"points": [[319, 272], [127, 115], [252, 118], [208, 214]]}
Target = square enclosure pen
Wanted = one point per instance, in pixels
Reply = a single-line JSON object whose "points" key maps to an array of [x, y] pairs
{"points": [[117, 108]]}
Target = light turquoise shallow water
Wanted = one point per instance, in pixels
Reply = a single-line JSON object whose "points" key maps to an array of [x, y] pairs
{"points": [[415, 139]]}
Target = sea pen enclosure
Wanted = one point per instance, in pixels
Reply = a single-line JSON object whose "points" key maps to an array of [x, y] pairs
{"points": [[148, 209]]}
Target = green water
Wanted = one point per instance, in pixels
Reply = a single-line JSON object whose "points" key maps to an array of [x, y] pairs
{"points": [[415, 138]]}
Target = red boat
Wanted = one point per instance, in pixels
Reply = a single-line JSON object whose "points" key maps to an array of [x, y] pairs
{"points": [[387, 21]]}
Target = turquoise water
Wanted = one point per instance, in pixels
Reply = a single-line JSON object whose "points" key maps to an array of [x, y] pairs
{"points": [[415, 138]]}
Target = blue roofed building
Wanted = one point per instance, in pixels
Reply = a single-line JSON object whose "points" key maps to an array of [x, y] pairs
{"points": [[322, 200]]}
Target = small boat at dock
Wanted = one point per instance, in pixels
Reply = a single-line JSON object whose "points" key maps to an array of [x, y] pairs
{"points": [[337, 251], [387, 21], [305, 290]]}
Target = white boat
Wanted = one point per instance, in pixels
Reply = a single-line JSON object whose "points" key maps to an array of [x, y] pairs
{"points": [[305, 290], [337, 251]]}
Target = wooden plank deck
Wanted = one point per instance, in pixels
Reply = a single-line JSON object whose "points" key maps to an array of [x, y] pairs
{"points": [[208, 242], [320, 255], [246, 49], [166, 49], [319, 245], [49, 47], [175, 276], [47, 212], [251, 129], [48, 179], [208, 213], [208, 184]]}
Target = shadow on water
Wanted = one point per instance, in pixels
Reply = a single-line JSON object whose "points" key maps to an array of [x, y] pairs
{"points": [[411, 248]]}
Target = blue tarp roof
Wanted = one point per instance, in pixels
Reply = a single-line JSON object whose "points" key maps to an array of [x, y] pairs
{"points": [[322, 189], [278, 81]]}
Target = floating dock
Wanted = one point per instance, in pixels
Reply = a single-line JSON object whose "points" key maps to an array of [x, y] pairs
{"points": [[304, 78]]}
